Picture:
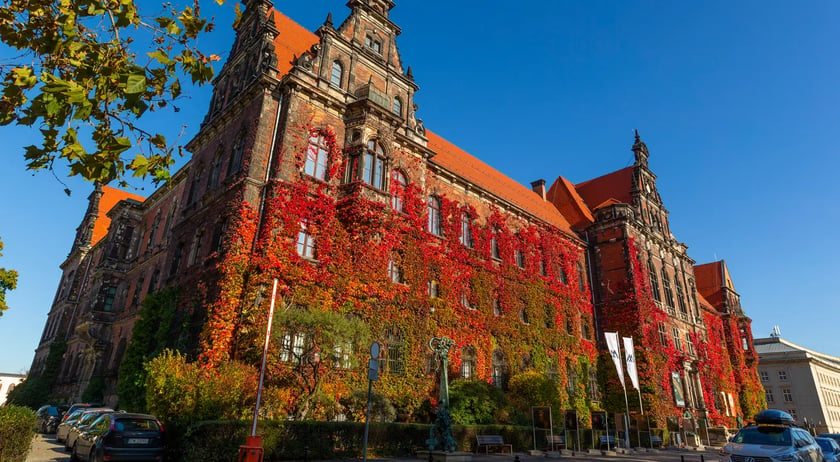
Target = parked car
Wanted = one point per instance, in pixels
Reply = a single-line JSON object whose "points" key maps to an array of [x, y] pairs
{"points": [[773, 438], [67, 422], [49, 417], [75, 406], [834, 436], [118, 437], [83, 423], [830, 448]]}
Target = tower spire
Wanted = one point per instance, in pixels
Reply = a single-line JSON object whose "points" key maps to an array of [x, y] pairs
{"points": [[640, 150]]}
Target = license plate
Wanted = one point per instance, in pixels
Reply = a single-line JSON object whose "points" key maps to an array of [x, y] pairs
{"points": [[138, 441]]}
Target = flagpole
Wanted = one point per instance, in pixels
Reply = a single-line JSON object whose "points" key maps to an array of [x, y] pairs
{"points": [[626, 406]]}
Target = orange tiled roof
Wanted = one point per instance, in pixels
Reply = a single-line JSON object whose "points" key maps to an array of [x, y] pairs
{"points": [[704, 303], [616, 185], [461, 163], [110, 197], [292, 41], [565, 197]]}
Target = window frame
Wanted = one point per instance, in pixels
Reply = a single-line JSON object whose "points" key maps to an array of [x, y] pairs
{"points": [[317, 161], [433, 220], [340, 77], [306, 248], [397, 188]]}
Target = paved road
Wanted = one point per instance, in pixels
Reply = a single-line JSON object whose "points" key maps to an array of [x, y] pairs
{"points": [[45, 449]]}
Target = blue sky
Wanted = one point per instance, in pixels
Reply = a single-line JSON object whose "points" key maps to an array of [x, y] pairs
{"points": [[737, 102]]}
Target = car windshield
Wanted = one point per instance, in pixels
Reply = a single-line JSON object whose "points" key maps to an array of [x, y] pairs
{"points": [[53, 411], [132, 425], [825, 444], [75, 415], [770, 436]]}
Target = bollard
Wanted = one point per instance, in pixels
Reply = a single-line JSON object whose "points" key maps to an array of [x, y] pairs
{"points": [[516, 458], [702, 459], [306, 454], [682, 458]]}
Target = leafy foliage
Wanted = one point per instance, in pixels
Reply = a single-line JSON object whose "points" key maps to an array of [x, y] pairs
{"points": [[80, 81], [17, 426], [177, 390], [355, 407], [35, 390], [152, 334], [8, 281], [532, 389], [474, 402]]}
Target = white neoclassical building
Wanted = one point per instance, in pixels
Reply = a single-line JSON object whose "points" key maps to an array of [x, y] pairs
{"points": [[802, 382], [7, 383]]}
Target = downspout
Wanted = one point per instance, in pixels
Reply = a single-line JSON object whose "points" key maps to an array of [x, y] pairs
{"points": [[264, 192], [592, 285]]}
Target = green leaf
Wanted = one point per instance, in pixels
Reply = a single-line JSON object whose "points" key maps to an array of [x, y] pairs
{"points": [[161, 57], [136, 83]]}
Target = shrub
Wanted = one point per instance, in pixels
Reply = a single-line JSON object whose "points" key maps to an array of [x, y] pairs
{"points": [[17, 427], [355, 407], [213, 441], [474, 402], [532, 389]]}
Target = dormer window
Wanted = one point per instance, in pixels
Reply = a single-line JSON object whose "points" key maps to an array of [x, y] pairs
{"points": [[373, 43], [336, 72], [396, 108]]}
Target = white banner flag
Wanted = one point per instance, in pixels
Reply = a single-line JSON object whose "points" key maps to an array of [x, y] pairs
{"points": [[612, 345], [630, 357]]}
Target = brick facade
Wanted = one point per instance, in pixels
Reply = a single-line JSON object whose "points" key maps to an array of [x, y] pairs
{"points": [[281, 86]]}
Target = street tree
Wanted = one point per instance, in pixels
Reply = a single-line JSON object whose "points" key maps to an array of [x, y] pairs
{"points": [[8, 281], [86, 73]]}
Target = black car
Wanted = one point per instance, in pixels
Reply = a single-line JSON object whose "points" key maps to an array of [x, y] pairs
{"points": [[121, 437], [49, 417]]}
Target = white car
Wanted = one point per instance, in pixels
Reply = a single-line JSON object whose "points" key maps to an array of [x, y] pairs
{"points": [[772, 439]]}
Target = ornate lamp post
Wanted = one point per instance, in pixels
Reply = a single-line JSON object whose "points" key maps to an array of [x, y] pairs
{"points": [[440, 435]]}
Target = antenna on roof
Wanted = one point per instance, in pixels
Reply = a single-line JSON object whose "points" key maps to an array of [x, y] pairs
{"points": [[776, 332]]}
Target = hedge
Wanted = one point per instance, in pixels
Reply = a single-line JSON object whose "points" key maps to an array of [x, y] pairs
{"points": [[212, 441], [17, 427]]}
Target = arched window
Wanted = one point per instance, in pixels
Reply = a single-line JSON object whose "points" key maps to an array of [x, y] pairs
{"points": [[494, 243], [215, 170], [523, 316], [336, 73], [520, 258], [467, 362], [497, 306], [466, 231], [666, 283], [192, 196], [499, 373], [195, 249], [433, 209], [581, 277], [370, 165], [398, 184], [561, 274], [317, 157], [396, 108], [153, 231], [235, 163], [654, 282], [394, 269], [680, 295]]}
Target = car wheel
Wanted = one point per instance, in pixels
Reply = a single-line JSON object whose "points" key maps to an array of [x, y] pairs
{"points": [[92, 455], [73, 456]]}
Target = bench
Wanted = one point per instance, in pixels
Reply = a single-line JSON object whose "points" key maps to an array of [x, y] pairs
{"points": [[606, 442], [492, 441], [656, 441], [556, 441]]}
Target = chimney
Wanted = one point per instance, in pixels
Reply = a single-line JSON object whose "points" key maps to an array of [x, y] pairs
{"points": [[539, 187]]}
